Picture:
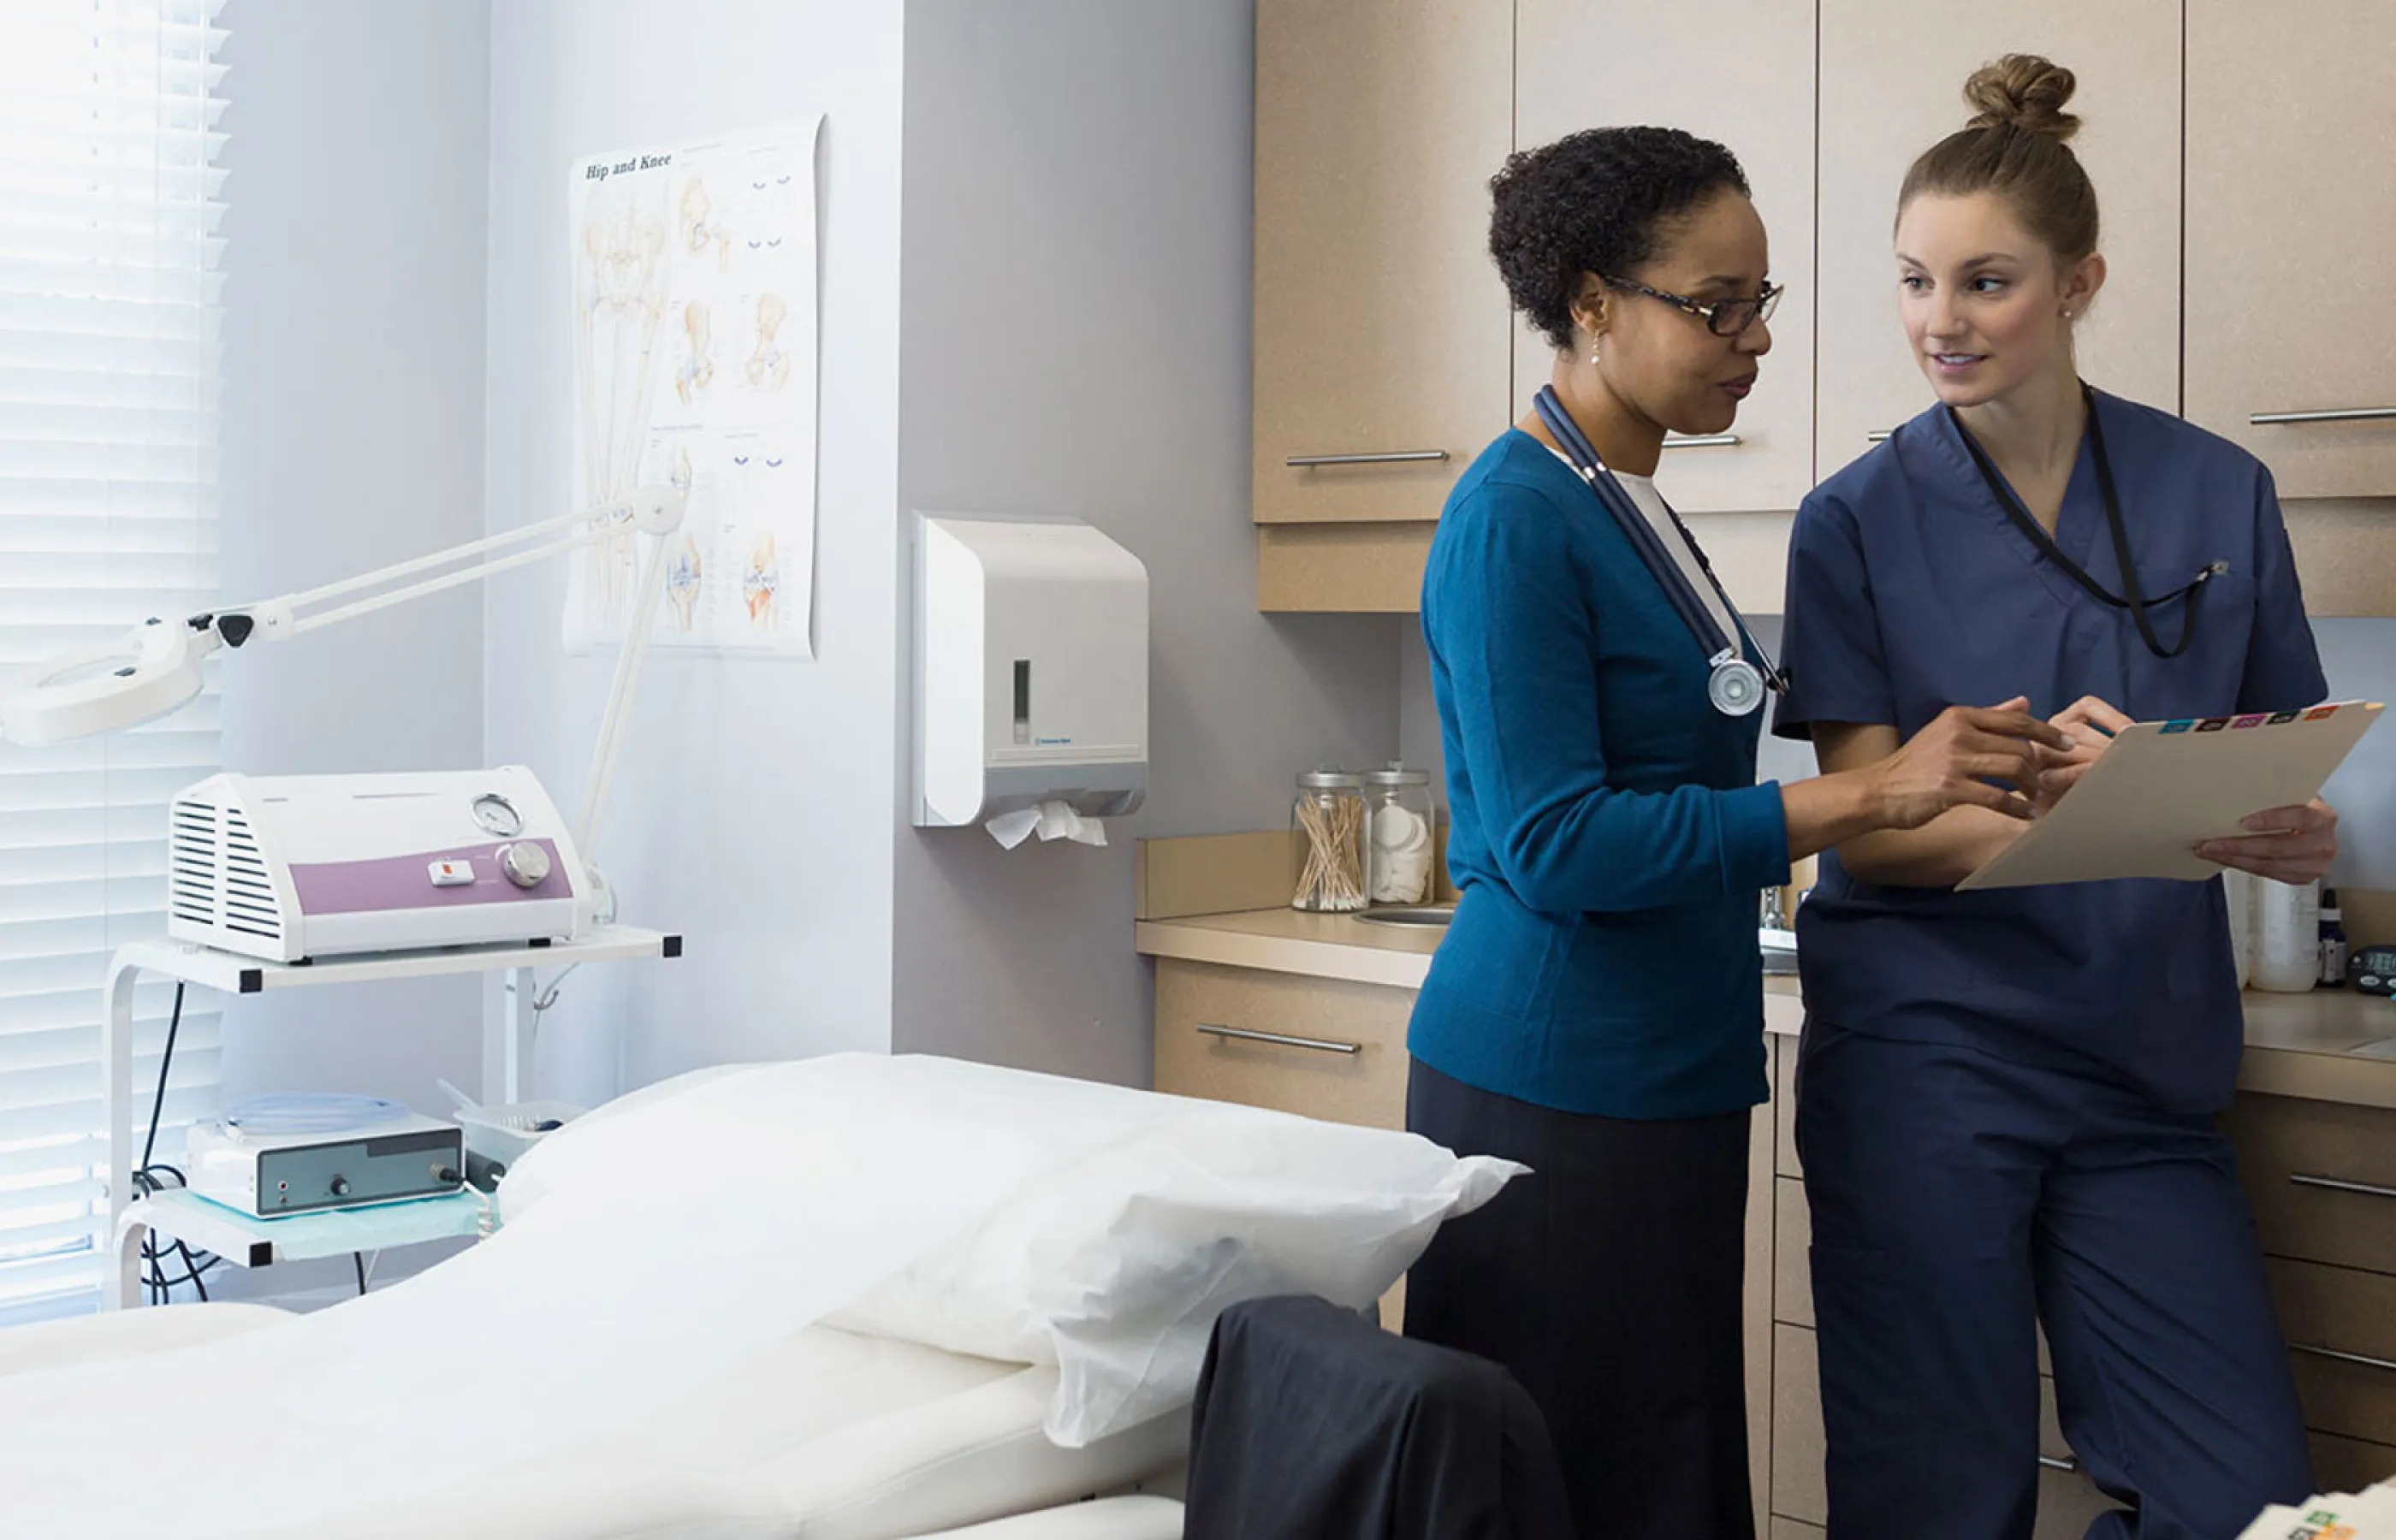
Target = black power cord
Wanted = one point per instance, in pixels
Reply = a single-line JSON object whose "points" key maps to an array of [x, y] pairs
{"points": [[149, 1179]]}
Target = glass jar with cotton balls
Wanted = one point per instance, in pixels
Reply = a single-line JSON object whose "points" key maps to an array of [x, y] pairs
{"points": [[1399, 846]]}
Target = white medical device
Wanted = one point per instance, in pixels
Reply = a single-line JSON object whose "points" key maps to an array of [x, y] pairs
{"points": [[317, 866], [1031, 668], [299, 867], [299, 1172]]}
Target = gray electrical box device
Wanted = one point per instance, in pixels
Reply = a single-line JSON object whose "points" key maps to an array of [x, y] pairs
{"points": [[297, 1173]]}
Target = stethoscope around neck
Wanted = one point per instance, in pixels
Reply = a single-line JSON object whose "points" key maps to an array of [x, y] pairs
{"points": [[1735, 686], [2132, 598]]}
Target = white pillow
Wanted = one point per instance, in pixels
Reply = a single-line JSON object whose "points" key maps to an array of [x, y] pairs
{"points": [[1115, 1268], [1060, 1221]]}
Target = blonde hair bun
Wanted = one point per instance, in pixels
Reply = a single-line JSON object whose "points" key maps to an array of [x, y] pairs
{"points": [[2022, 91]]}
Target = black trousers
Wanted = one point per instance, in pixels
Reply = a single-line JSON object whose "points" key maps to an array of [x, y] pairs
{"points": [[1609, 1280]]}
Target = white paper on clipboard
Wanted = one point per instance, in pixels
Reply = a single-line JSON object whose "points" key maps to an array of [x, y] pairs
{"points": [[2162, 787]]}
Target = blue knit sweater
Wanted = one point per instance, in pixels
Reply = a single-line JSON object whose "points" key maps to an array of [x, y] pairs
{"points": [[1607, 834]]}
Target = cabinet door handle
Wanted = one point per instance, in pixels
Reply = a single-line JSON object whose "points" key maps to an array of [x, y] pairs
{"points": [[1700, 441], [2335, 414], [2343, 1357], [1321, 1045], [2068, 1466], [2332, 1184], [1879, 435], [1393, 457]]}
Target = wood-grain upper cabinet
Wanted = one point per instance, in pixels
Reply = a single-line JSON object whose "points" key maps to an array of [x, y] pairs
{"points": [[2290, 218], [1741, 73], [1892, 84], [1380, 324]]}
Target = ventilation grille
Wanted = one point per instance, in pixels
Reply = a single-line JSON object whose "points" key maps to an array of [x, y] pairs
{"points": [[192, 862], [216, 876]]}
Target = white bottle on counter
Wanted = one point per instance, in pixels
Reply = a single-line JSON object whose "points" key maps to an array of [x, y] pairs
{"points": [[2238, 891], [2287, 936], [2332, 941]]}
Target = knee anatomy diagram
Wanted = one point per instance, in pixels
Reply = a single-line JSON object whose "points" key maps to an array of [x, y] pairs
{"points": [[695, 359]]}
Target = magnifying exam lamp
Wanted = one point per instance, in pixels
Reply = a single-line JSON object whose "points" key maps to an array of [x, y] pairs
{"points": [[296, 867]]}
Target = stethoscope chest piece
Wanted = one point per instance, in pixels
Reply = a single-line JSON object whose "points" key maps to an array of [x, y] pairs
{"points": [[1735, 686]]}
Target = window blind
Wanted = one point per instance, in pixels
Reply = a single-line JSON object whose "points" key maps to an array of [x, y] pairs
{"points": [[110, 271]]}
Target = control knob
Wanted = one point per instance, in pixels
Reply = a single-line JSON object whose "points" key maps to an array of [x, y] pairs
{"points": [[525, 863]]}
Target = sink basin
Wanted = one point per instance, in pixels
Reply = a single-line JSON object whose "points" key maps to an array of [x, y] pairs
{"points": [[1429, 915], [1780, 952]]}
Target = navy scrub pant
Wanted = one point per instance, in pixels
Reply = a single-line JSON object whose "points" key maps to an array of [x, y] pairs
{"points": [[1608, 1283], [1957, 1198]]}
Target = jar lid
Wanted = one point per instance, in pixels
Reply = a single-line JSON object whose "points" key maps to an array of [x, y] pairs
{"points": [[1397, 775], [1329, 779]]}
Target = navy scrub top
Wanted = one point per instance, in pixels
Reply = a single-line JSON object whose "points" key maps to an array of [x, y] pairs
{"points": [[1910, 590]]}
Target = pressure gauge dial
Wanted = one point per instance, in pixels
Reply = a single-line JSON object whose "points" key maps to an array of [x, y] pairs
{"points": [[497, 816]]}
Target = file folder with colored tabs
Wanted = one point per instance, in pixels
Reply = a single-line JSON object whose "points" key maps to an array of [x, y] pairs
{"points": [[2164, 788]]}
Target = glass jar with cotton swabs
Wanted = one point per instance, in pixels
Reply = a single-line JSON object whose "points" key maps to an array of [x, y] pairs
{"points": [[1398, 844], [1326, 822]]}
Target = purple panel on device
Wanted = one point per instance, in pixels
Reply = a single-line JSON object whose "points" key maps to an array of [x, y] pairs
{"points": [[406, 882]]}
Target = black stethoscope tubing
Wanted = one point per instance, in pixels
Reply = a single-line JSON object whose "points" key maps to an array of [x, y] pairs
{"points": [[1736, 685], [2131, 598]]}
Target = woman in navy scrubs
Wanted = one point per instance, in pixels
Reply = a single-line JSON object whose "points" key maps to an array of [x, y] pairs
{"points": [[1596, 1009], [2007, 1098]]}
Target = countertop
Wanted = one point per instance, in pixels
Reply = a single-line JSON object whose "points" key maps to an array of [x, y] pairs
{"points": [[2329, 1045]]}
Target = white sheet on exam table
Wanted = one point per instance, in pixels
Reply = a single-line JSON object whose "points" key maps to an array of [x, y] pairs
{"points": [[829, 1434], [365, 1403], [832, 1434]]}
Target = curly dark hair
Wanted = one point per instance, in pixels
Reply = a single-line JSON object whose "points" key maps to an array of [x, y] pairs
{"points": [[1597, 201]]}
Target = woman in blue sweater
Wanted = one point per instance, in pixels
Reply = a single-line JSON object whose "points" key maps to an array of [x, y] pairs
{"points": [[1596, 1009]]}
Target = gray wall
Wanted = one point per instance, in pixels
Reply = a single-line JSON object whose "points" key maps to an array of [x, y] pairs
{"points": [[1419, 740], [751, 808], [1075, 341], [2360, 658], [353, 355]]}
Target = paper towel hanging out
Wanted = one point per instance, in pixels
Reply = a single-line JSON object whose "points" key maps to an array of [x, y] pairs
{"points": [[1030, 676]]}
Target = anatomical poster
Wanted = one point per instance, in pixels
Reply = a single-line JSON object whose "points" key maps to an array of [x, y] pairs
{"points": [[695, 363]]}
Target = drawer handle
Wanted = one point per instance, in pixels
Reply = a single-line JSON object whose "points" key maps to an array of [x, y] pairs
{"points": [[2067, 1465], [2332, 1184], [1394, 457], [1321, 1045], [1700, 441], [2363, 1358], [2338, 414], [1879, 435]]}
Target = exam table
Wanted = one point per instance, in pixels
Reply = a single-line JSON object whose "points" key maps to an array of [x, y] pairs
{"points": [[964, 1295]]}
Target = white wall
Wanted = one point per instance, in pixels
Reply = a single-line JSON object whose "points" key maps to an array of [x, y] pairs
{"points": [[1075, 341], [352, 430], [751, 811]]}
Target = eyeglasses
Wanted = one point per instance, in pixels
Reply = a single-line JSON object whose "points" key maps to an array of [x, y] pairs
{"points": [[1724, 317]]}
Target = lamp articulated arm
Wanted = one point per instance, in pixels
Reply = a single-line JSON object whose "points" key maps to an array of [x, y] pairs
{"points": [[155, 668]]}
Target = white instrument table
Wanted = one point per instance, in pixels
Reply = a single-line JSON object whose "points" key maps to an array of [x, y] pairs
{"points": [[187, 1217], [244, 1240]]}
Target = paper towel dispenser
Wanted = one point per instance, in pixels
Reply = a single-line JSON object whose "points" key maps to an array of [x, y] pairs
{"points": [[1031, 668]]}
